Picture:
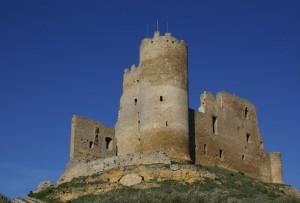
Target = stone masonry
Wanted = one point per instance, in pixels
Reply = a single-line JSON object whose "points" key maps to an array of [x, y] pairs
{"points": [[154, 116]]}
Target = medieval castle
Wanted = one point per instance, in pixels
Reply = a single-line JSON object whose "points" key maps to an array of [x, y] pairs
{"points": [[154, 116]]}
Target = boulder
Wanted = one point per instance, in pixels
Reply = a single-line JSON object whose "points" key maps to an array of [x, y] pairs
{"points": [[131, 179]]}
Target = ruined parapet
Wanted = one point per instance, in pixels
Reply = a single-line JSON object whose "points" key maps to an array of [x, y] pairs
{"points": [[83, 168], [276, 167], [91, 139], [131, 78], [227, 135], [163, 124]]}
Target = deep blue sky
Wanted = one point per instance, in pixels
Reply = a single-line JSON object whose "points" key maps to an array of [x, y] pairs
{"points": [[64, 57]]}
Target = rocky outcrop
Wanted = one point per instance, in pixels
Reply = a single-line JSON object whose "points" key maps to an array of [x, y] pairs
{"points": [[141, 176]]}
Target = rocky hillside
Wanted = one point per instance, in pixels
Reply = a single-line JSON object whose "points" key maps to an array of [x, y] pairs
{"points": [[167, 183]]}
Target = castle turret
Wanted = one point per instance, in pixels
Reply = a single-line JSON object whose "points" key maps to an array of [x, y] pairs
{"points": [[153, 113], [163, 116]]}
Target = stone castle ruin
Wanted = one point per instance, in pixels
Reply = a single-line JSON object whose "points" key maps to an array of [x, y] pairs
{"points": [[154, 118]]}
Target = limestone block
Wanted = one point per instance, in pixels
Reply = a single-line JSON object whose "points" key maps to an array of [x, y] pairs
{"points": [[131, 179]]}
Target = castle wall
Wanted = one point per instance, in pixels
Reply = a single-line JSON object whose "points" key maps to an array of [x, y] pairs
{"points": [[77, 168], [275, 167], [227, 135], [91, 139]]}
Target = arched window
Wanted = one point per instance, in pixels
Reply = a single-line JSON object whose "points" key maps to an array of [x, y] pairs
{"points": [[108, 144]]}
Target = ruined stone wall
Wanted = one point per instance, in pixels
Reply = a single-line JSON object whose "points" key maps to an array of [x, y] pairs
{"points": [[78, 168], [227, 135], [91, 139], [275, 167]]}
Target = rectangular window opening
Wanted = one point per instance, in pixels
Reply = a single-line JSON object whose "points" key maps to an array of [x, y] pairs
{"points": [[135, 101], [221, 154], [246, 112], [205, 149], [91, 144], [166, 123], [248, 138], [214, 124], [161, 98]]}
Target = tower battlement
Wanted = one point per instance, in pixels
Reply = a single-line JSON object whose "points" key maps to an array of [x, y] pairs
{"points": [[154, 116], [152, 47]]}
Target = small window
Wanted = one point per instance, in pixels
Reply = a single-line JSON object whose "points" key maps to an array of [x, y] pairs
{"points": [[166, 123], [221, 154], [161, 98], [108, 144], [248, 138], [91, 144], [96, 133], [135, 101], [246, 112], [243, 157], [214, 125], [205, 149]]}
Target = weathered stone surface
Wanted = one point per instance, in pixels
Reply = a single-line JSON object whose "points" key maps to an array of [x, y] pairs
{"points": [[91, 139], [131, 179], [84, 168], [227, 135], [137, 176]]}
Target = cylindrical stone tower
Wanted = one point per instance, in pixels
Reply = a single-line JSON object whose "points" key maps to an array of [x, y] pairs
{"points": [[163, 114]]}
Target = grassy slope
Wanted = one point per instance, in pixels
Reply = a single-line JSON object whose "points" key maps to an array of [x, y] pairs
{"points": [[229, 187]]}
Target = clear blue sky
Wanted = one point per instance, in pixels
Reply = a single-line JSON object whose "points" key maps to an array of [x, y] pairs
{"points": [[65, 57]]}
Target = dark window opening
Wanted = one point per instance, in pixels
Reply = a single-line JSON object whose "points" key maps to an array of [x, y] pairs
{"points": [[135, 101], [243, 157], [139, 122], [161, 98], [214, 124], [205, 149], [96, 133], [91, 144], [246, 113], [248, 138], [108, 144], [166, 123], [221, 154]]}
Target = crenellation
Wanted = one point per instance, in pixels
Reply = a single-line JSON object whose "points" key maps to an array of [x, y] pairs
{"points": [[154, 115]]}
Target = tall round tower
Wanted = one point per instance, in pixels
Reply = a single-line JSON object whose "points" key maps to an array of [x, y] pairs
{"points": [[163, 110]]}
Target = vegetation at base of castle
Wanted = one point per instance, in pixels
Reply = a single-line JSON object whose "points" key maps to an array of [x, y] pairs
{"points": [[233, 187]]}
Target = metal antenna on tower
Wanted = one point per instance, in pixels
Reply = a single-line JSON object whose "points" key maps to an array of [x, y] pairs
{"points": [[157, 24]]}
